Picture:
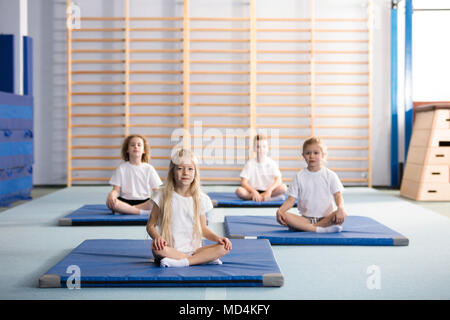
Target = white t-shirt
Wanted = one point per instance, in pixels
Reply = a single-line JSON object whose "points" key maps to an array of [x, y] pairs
{"points": [[260, 175], [314, 191], [135, 182], [182, 224]]}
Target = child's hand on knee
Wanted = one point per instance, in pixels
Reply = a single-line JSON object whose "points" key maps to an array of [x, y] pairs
{"points": [[256, 196], [281, 218], [225, 242], [159, 244], [339, 216]]}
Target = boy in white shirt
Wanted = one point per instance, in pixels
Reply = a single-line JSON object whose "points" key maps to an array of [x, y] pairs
{"points": [[317, 188], [261, 177]]}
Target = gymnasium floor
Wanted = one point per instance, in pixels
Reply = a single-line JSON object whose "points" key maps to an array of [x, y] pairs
{"points": [[32, 242]]}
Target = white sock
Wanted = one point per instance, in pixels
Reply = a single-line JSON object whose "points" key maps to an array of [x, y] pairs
{"points": [[217, 261], [143, 212], [330, 229], [169, 262]]}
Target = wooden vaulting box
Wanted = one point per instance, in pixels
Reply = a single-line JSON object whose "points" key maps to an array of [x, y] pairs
{"points": [[426, 175]]}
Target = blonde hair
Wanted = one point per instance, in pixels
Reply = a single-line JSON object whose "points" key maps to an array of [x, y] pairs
{"points": [[165, 217], [124, 150], [315, 140]]}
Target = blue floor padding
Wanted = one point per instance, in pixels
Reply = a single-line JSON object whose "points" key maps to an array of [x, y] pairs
{"points": [[100, 214], [357, 230], [230, 199], [129, 263]]}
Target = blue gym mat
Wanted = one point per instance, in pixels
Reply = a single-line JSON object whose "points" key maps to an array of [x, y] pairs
{"points": [[100, 214], [129, 263], [230, 199], [360, 231]]}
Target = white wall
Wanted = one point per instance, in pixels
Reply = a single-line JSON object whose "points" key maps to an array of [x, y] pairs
{"points": [[47, 27], [431, 47]]}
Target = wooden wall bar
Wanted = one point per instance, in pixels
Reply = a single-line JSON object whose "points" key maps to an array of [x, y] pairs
{"points": [[218, 81]]}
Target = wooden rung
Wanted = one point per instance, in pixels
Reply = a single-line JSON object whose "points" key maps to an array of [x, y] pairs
{"points": [[169, 93], [155, 104], [349, 105], [327, 126], [97, 93], [155, 61], [220, 29], [341, 83], [155, 114], [105, 115], [157, 29], [98, 82], [155, 125], [218, 19], [219, 51], [156, 18], [220, 61], [219, 83], [99, 125], [296, 126], [341, 51], [222, 125], [157, 82], [341, 30], [282, 115], [285, 51], [293, 94], [98, 40], [219, 93], [239, 115], [283, 30], [156, 72], [220, 72], [93, 168], [284, 19], [282, 41], [98, 30], [345, 137], [219, 104], [282, 73], [318, 115], [338, 94], [203, 168], [95, 158], [98, 51], [341, 19], [327, 73], [155, 40], [221, 179], [98, 72], [283, 62], [341, 62], [265, 83], [282, 105], [341, 41], [347, 158], [220, 40], [98, 104], [96, 147], [156, 50], [97, 136]]}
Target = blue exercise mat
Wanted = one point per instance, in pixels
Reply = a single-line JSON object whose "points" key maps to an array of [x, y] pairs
{"points": [[129, 263], [357, 231], [230, 199], [100, 214]]}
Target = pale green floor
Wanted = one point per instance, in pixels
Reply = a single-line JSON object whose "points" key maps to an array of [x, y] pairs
{"points": [[32, 242], [441, 207]]}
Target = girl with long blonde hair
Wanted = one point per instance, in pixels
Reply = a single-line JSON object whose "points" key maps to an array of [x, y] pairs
{"points": [[178, 222]]}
